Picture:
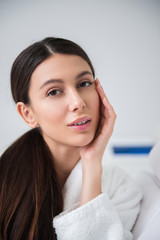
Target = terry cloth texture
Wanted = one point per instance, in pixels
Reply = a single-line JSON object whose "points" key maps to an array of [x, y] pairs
{"points": [[110, 216]]}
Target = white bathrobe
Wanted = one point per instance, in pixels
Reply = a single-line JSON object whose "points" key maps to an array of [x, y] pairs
{"points": [[110, 216]]}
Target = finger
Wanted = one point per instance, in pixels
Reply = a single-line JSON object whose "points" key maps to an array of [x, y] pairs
{"points": [[110, 109], [100, 90], [96, 82], [102, 94], [108, 119], [107, 112], [107, 129]]}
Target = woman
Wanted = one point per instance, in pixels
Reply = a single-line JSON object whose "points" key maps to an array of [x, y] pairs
{"points": [[51, 183]]}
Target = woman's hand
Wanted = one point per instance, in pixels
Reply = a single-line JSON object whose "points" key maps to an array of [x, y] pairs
{"points": [[95, 150], [92, 154]]}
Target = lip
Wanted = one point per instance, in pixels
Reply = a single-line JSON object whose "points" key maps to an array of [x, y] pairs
{"points": [[83, 127], [78, 120]]}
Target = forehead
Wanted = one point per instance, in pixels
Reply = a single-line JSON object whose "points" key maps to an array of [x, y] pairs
{"points": [[60, 66]]}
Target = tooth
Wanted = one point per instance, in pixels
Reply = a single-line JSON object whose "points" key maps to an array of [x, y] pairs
{"points": [[80, 123]]}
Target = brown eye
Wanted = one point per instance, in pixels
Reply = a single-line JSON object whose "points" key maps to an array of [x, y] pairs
{"points": [[53, 92], [84, 84]]}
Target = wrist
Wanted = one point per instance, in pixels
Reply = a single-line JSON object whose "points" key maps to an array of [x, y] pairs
{"points": [[91, 183], [91, 173], [92, 164], [90, 190]]}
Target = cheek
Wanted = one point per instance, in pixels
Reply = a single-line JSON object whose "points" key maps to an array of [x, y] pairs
{"points": [[97, 107], [97, 100], [94, 98], [94, 103], [50, 112]]}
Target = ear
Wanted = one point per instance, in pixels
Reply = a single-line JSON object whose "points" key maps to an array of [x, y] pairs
{"points": [[27, 114]]}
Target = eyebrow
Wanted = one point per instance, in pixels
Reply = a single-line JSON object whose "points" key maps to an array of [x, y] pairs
{"points": [[61, 81], [83, 73]]}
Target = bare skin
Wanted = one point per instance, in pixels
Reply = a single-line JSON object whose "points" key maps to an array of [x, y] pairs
{"points": [[63, 89], [92, 154]]}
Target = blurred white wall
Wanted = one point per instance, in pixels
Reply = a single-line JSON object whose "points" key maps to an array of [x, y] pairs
{"points": [[122, 39]]}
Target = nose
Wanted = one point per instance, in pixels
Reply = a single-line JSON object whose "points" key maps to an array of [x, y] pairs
{"points": [[75, 101]]}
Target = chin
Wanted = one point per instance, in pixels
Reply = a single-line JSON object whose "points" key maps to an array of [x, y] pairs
{"points": [[85, 141]]}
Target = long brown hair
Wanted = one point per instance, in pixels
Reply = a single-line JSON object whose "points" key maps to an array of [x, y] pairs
{"points": [[30, 193]]}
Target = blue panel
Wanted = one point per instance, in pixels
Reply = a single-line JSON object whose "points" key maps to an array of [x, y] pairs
{"points": [[132, 149]]}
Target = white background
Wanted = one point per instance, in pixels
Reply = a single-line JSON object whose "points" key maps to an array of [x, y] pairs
{"points": [[122, 38]]}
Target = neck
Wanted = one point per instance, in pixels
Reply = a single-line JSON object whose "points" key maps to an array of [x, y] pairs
{"points": [[65, 159], [65, 163]]}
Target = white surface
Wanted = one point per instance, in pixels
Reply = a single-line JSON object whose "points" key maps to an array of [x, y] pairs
{"points": [[130, 163], [147, 224]]}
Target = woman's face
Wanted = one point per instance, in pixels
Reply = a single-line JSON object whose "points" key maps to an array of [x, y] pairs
{"points": [[64, 100]]}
